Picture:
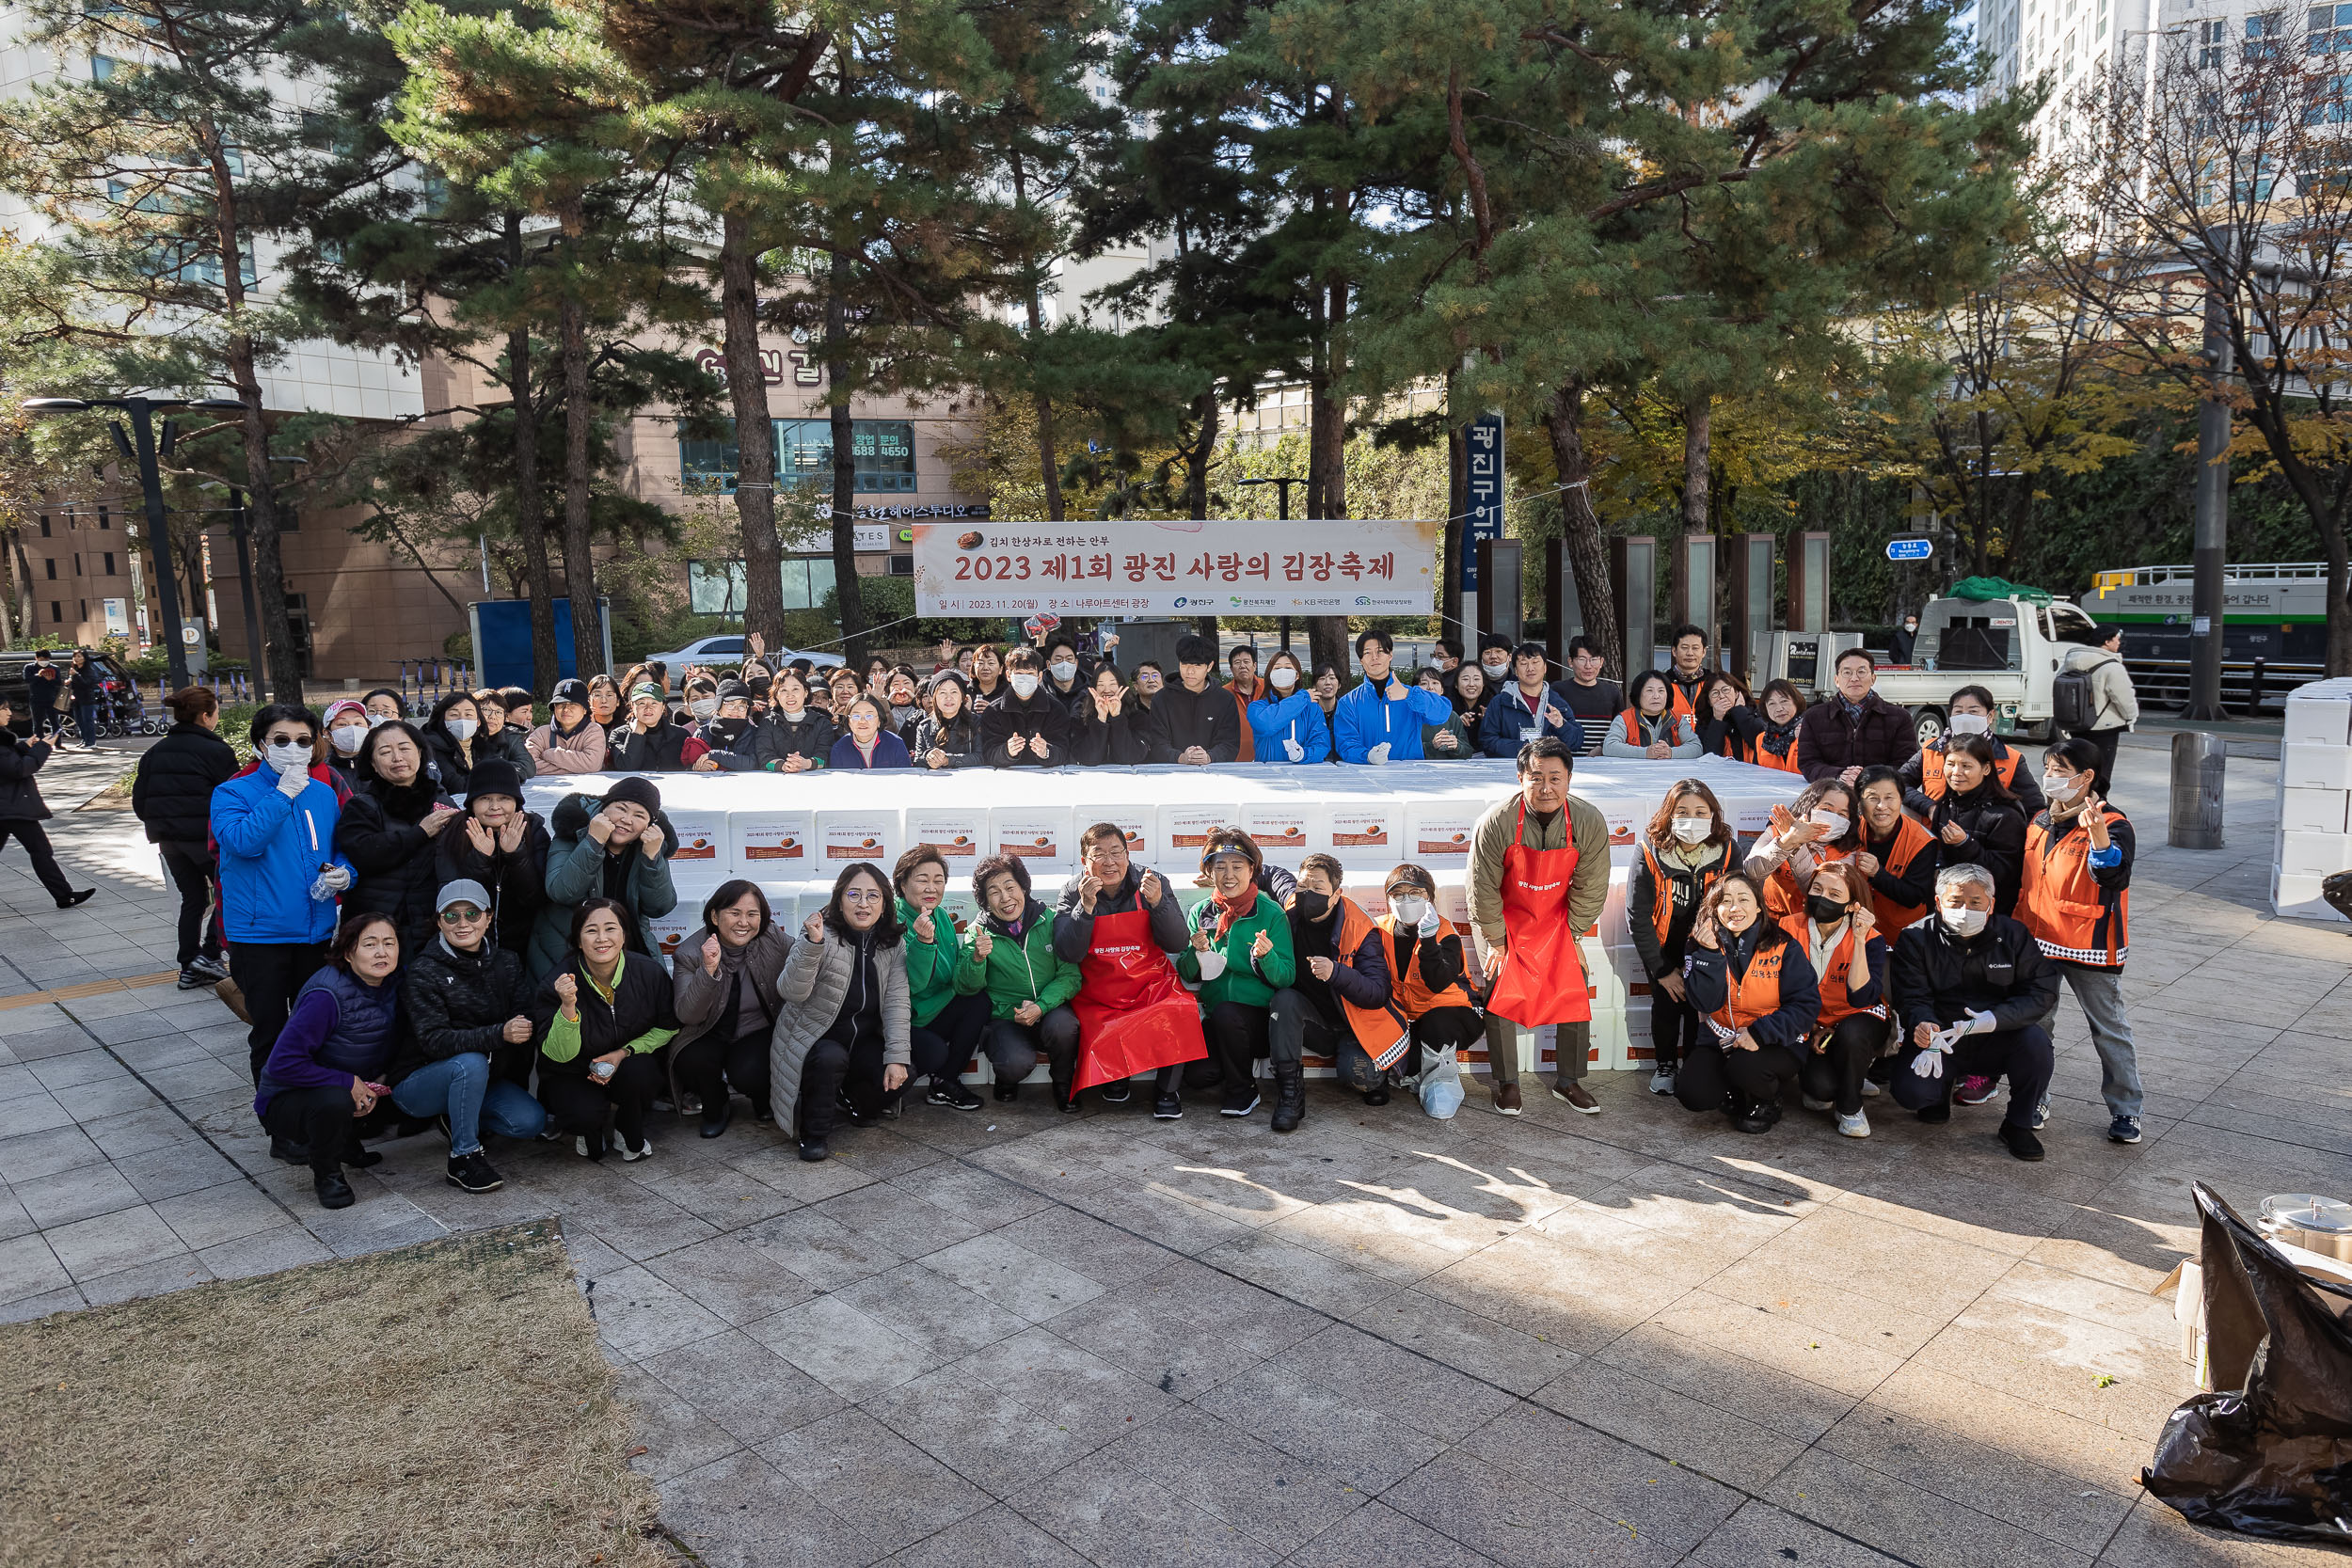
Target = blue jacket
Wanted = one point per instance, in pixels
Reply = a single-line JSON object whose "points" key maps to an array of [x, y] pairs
{"points": [[1507, 715], [1298, 716], [267, 862], [1365, 718]]}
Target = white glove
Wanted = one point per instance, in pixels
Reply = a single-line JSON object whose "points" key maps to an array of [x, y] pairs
{"points": [[292, 782], [337, 878], [323, 891], [1930, 1062], [1293, 750], [1979, 1023], [1429, 923], [1377, 755]]}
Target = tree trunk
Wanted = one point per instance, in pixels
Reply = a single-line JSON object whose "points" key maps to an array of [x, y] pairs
{"points": [[754, 436], [579, 565], [8, 609], [1326, 461], [1457, 517], [1197, 460], [845, 581], [1697, 503], [1579, 525], [530, 525], [22, 570]]}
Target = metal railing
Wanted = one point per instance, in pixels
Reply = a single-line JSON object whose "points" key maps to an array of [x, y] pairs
{"points": [[2246, 684]]}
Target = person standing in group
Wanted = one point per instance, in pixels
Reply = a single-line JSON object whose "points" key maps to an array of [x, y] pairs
{"points": [[944, 1025], [1327, 692], [464, 1055], [451, 738], [1452, 741], [1538, 876], [173, 796], [1244, 686], [1287, 725], [383, 704], [727, 734], [45, 688], [1445, 655], [1726, 724], [604, 701], [503, 848], [1381, 719], [275, 825], [988, 677], [618, 847], [348, 725], [326, 1067], [1687, 671], [651, 742], [1853, 728], [601, 1022], [1339, 1002], [1754, 987], [1429, 983], [1240, 955], [1897, 856], [2078, 904], [1978, 822], [1841, 940], [867, 741], [1651, 726], [843, 1025], [571, 741], [1773, 742], [1024, 727], [1108, 728], [1685, 850], [85, 688], [1903, 640], [1592, 702], [499, 739], [795, 737], [1010, 959], [1065, 679], [390, 829], [2113, 705], [1468, 690], [1121, 926], [1193, 721], [949, 735], [1821, 825], [1525, 707], [1970, 712], [723, 994], [23, 811]]}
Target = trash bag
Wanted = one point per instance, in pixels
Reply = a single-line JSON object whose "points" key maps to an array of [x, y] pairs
{"points": [[1982, 589], [2269, 1453], [2336, 889], [1441, 1085]]}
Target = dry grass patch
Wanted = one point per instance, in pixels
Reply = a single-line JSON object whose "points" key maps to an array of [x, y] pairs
{"points": [[440, 1404]]}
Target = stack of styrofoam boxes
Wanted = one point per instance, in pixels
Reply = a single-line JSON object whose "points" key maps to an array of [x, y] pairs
{"points": [[2314, 836]]}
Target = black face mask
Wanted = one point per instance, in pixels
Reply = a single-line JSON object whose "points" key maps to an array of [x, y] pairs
{"points": [[1824, 911], [1315, 906]]}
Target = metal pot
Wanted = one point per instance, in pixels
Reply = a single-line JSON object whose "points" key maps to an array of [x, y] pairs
{"points": [[2322, 1227]]}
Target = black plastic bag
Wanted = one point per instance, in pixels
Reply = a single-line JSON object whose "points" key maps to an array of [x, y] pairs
{"points": [[2270, 1452], [2337, 889]]}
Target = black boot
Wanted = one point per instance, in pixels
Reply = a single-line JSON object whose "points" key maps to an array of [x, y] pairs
{"points": [[1063, 1097], [1290, 1098], [334, 1192], [716, 1112]]}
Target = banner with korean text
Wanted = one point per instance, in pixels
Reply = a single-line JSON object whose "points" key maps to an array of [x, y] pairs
{"points": [[1352, 568]]}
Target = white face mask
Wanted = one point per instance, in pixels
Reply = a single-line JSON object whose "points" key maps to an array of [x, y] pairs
{"points": [[375, 719], [1689, 829], [347, 738], [1409, 912], [1832, 824], [288, 759], [1969, 723], [707, 708], [1283, 678], [2059, 786], [1495, 668], [1963, 922], [1064, 669], [462, 729], [1024, 685]]}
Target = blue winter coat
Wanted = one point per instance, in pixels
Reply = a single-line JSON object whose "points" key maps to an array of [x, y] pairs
{"points": [[1507, 715], [1364, 718], [1298, 716], [267, 862]]}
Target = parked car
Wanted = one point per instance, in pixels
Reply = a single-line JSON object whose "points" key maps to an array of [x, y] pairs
{"points": [[120, 705], [2011, 647], [728, 649]]}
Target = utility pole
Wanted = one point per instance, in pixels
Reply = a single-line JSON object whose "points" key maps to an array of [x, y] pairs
{"points": [[2211, 555]]}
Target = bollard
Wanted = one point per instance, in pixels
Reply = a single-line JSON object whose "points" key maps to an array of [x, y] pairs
{"points": [[2198, 760]]}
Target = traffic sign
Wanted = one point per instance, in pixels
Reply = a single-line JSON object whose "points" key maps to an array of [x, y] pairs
{"points": [[1912, 547]]}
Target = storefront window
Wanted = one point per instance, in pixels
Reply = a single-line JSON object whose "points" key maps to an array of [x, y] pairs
{"points": [[882, 449]]}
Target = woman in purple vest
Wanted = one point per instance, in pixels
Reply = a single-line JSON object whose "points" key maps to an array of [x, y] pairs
{"points": [[327, 1069]]}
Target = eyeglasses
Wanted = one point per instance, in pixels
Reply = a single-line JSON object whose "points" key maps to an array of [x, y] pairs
{"points": [[860, 896]]}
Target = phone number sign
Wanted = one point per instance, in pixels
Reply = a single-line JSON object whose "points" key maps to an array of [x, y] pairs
{"points": [[1355, 567]]}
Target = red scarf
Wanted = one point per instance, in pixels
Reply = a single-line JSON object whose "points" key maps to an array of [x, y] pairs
{"points": [[1241, 903]]}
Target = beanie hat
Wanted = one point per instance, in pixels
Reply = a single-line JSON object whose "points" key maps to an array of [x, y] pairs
{"points": [[638, 791], [495, 776]]}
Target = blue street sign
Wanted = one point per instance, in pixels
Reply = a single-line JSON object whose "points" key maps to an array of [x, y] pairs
{"points": [[1484, 489], [1913, 548]]}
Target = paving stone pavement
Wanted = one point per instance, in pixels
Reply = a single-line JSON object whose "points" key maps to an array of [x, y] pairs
{"points": [[1016, 1337]]}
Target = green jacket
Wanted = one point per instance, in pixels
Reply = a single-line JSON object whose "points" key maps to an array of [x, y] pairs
{"points": [[930, 965], [1017, 969], [1253, 985]]}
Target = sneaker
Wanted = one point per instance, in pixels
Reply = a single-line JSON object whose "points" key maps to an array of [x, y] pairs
{"points": [[211, 968], [1376, 1096], [1869, 1089], [1975, 1089], [2042, 1115], [1662, 1081], [813, 1150], [1117, 1092], [1507, 1100], [664, 1102], [579, 1147], [473, 1174], [630, 1155], [1008, 1089], [1813, 1104], [192, 980], [1232, 1109], [2021, 1143], [1579, 1098], [1168, 1107], [1762, 1117], [1856, 1126], [953, 1095], [2123, 1129]]}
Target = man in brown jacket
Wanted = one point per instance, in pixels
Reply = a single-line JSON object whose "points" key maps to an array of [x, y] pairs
{"points": [[1538, 876]]}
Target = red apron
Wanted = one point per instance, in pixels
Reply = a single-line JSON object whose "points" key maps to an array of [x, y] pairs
{"points": [[1543, 974], [1134, 1014]]}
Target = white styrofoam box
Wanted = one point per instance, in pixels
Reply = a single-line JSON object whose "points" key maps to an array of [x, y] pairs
{"points": [[847, 837], [2312, 811], [1285, 830], [1364, 832], [1438, 830], [2309, 766], [1603, 982], [1184, 827], [959, 833], [702, 838], [2320, 718], [1627, 816], [670, 929], [1141, 823], [2315, 854], [772, 843], [2297, 895], [1041, 835]]}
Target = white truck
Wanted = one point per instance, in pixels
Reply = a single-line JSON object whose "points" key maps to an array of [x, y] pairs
{"points": [[2011, 647]]}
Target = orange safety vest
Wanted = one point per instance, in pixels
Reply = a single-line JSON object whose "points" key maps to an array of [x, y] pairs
{"points": [[1681, 703], [1782, 898], [1662, 907], [1406, 992], [1630, 725], [1932, 768], [1836, 1005], [1910, 842], [1762, 756], [1378, 1030], [2071, 916], [1753, 995]]}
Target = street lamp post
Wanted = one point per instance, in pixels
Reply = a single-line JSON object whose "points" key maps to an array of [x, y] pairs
{"points": [[1282, 503], [140, 412]]}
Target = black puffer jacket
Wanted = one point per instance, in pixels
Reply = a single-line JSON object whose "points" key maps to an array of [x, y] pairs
{"points": [[173, 793], [20, 796], [457, 1003], [378, 833], [660, 749], [519, 881], [507, 746], [811, 736], [1939, 978]]}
